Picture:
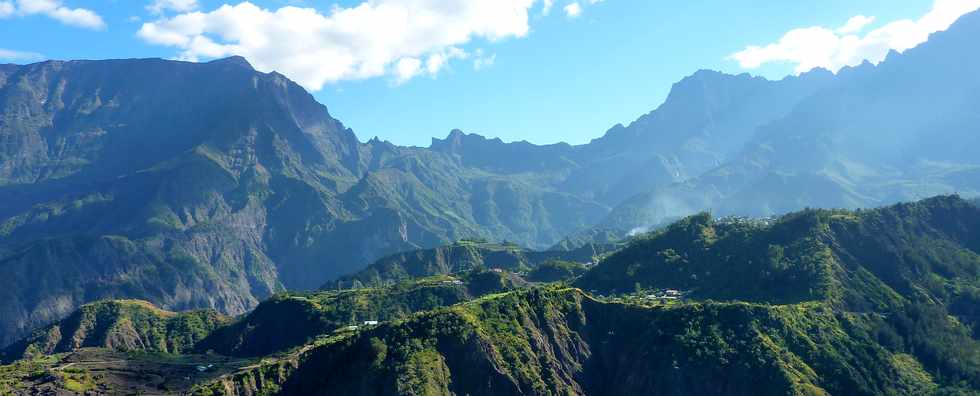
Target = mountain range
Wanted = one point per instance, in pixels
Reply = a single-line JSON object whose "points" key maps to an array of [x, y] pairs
{"points": [[874, 135], [816, 302], [847, 302], [213, 185]]}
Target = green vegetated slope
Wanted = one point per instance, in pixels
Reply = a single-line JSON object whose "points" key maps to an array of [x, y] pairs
{"points": [[816, 302], [556, 271], [291, 320], [832, 302], [861, 260], [561, 341], [466, 255], [125, 325]]}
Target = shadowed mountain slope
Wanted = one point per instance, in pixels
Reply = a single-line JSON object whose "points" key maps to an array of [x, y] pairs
{"points": [[115, 183]]}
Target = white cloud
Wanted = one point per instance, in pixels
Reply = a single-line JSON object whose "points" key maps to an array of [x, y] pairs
{"points": [[406, 68], [19, 56], [54, 9], [832, 49], [546, 8], [573, 10], [436, 62], [6, 9], [856, 24], [397, 38], [158, 7], [482, 61]]}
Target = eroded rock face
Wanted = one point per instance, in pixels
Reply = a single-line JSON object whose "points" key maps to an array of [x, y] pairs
{"points": [[243, 184], [214, 186]]}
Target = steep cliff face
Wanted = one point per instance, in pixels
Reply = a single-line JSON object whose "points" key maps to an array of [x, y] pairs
{"points": [[48, 280], [562, 342], [704, 121], [89, 119], [123, 325], [117, 182], [260, 189]]}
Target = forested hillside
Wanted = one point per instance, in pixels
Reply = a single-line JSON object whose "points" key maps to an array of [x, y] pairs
{"points": [[465, 255], [124, 325], [816, 302]]}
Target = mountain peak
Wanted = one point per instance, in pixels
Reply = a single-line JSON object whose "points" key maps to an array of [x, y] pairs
{"points": [[456, 139], [456, 134], [234, 60]]}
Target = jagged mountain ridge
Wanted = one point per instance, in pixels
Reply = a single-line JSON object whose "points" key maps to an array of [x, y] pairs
{"points": [[705, 118], [877, 134], [114, 185]]}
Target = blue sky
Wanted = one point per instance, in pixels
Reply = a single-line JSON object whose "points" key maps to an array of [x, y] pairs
{"points": [[564, 78]]}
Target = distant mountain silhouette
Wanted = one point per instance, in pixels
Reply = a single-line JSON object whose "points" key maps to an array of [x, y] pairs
{"points": [[902, 130]]}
